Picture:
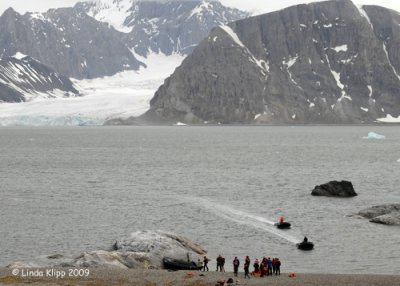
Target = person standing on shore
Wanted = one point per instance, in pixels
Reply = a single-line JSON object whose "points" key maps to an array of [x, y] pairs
{"points": [[246, 267], [256, 266], [269, 266], [219, 263], [222, 264], [273, 265], [277, 266], [236, 264], [205, 262]]}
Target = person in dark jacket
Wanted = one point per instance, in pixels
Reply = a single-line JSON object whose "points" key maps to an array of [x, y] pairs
{"points": [[205, 262], [262, 267], [222, 264], [277, 267], [219, 262], [273, 265], [256, 266], [246, 267], [236, 264]]}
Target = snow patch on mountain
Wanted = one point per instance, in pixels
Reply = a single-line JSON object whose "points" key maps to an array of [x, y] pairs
{"points": [[112, 12], [389, 119], [19, 56], [125, 94], [263, 65], [198, 10]]}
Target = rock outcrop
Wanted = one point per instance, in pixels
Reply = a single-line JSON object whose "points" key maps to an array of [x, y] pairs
{"points": [[385, 214], [335, 189], [70, 42], [325, 62], [23, 78], [141, 250]]}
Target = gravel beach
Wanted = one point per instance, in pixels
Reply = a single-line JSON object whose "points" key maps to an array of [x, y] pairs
{"points": [[191, 278]]}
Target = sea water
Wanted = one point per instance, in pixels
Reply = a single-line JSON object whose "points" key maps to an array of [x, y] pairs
{"points": [[68, 190]]}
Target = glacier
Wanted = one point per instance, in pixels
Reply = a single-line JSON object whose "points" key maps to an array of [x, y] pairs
{"points": [[125, 94]]}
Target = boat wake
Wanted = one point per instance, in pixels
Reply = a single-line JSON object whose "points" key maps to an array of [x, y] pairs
{"points": [[241, 217]]}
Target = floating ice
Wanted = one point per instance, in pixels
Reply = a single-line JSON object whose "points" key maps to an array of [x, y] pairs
{"points": [[180, 124], [373, 135], [398, 161]]}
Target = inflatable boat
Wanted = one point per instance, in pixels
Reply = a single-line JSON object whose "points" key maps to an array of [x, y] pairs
{"points": [[283, 225], [175, 264], [305, 245]]}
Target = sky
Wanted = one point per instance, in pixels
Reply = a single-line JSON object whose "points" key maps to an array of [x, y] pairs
{"points": [[255, 6]]}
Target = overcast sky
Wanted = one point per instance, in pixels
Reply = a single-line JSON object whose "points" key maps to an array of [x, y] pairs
{"points": [[257, 6]]}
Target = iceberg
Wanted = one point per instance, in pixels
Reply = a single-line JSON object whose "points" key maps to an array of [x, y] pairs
{"points": [[373, 135], [180, 124]]}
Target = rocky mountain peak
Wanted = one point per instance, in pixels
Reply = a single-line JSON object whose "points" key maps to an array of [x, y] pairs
{"points": [[162, 26]]}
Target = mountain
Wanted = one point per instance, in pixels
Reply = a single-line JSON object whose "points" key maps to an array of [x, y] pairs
{"points": [[326, 62], [70, 42], [116, 67], [23, 78], [85, 41], [162, 26]]}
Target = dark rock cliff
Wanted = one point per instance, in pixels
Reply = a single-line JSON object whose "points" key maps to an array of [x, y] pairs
{"points": [[327, 62]]}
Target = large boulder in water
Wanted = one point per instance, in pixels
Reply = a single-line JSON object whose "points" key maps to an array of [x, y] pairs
{"points": [[141, 250], [335, 189], [385, 214]]}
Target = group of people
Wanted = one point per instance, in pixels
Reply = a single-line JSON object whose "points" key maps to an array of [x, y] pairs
{"points": [[266, 267]]}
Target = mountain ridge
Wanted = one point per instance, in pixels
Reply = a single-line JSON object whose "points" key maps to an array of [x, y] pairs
{"points": [[316, 63]]}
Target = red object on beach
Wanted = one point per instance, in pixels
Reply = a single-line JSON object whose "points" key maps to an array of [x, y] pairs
{"points": [[281, 220], [190, 275], [292, 275], [221, 282]]}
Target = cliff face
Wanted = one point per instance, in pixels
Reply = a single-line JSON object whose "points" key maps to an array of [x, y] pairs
{"points": [[327, 62], [67, 41]]}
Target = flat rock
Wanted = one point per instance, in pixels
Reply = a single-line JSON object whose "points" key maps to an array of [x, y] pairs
{"points": [[385, 214], [335, 189], [388, 219]]}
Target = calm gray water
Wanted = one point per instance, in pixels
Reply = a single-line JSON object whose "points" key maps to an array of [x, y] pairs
{"points": [[67, 190]]}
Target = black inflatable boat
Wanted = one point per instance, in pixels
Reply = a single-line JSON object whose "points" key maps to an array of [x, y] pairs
{"points": [[305, 245], [175, 264], [283, 225]]}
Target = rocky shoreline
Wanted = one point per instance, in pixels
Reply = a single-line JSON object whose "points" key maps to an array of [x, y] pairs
{"points": [[141, 277]]}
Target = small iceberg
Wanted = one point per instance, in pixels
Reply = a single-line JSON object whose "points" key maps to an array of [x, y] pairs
{"points": [[398, 161], [373, 135], [180, 124]]}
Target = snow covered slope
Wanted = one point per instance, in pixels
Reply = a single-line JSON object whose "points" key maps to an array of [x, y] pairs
{"points": [[125, 94], [23, 79]]}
